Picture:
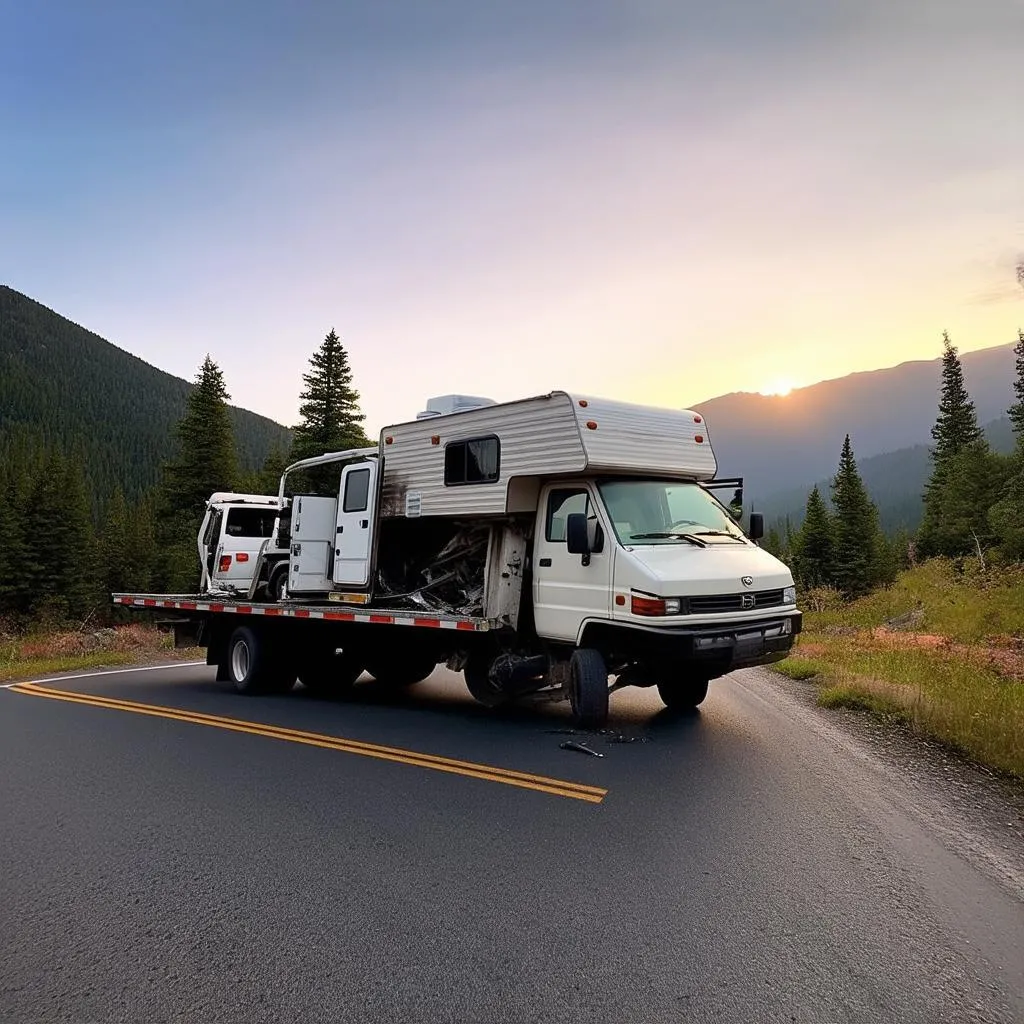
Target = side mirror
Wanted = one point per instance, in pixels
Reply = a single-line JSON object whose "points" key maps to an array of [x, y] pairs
{"points": [[577, 536], [756, 531]]}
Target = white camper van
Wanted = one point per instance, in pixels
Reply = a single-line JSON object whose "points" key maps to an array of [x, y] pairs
{"points": [[561, 546]]}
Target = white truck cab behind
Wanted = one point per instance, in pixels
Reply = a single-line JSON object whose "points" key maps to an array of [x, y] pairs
{"points": [[234, 530]]}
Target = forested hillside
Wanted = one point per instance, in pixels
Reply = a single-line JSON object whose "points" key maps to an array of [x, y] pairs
{"points": [[71, 390], [896, 482]]}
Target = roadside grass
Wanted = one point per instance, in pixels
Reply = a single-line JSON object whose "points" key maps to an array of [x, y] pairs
{"points": [[949, 665], [47, 653], [961, 601]]}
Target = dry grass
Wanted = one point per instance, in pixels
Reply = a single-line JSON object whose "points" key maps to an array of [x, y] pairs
{"points": [[24, 657], [951, 667]]}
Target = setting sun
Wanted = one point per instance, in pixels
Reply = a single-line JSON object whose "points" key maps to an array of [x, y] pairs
{"points": [[778, 388]]}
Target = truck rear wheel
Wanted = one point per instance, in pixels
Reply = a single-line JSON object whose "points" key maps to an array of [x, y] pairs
{"points": [[588, 688], [684, 693], [252, 667], [329, 674], [278, 582]]}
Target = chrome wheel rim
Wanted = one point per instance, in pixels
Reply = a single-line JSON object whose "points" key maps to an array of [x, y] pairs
{"points": [[240, 661]]}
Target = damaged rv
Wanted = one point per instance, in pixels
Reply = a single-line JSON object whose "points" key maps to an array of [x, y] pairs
{"points": [[560, 546]]}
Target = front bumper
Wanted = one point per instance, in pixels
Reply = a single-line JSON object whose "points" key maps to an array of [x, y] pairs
{"points": [[729, 645]]}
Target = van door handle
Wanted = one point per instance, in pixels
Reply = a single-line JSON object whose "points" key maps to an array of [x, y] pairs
{"points": [[545, 563], [364, 523], [341, 529]]}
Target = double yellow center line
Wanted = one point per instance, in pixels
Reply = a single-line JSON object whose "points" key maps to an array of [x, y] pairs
{"points": [[524, 780]]}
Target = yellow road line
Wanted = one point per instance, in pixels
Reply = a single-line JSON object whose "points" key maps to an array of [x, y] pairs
{"points": [[490, 773]]}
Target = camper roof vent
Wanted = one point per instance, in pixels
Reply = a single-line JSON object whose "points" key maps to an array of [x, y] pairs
{"points": [[445, 405]]}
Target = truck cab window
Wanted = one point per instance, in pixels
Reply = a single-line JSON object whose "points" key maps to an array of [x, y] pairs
{"points": [[357, 491], [250, 522], [561, 504]]}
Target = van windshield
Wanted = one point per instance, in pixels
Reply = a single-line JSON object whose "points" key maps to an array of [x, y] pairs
{"points": [[665, 512]]}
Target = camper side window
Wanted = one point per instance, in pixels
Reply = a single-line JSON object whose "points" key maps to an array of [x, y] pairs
{"points": [[476, 461], [561, 504]]}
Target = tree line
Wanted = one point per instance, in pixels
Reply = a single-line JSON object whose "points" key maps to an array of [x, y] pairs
{"points": [[973, 501], [62, 553]]}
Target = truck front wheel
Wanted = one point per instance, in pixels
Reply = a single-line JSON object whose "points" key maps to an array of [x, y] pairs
{"points": [[252, 667], [588, 688], [684, 693]]}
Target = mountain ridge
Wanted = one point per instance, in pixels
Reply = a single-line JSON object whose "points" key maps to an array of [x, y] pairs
{"points": [[65, 385]]}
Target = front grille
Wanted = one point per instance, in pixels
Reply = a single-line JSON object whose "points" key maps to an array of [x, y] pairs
{"points": [[732, 602]]}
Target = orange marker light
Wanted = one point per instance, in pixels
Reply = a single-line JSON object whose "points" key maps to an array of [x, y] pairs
{"points": [[435, 439], [620, 599]]}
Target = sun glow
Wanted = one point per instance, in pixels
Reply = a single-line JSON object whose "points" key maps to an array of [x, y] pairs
{"points": [[778, 388]]}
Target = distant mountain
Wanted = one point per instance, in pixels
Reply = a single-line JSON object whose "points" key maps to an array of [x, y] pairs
{"points": [[895, 482], [67, 386], [780, 444]]}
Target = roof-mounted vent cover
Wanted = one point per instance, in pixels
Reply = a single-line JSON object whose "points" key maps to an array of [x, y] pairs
{"points": [[445, 405]]}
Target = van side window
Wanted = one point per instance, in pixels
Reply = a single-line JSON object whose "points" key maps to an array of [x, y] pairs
{"points": [[357, 491], [250, 522], [561, 504], [476, 461]]}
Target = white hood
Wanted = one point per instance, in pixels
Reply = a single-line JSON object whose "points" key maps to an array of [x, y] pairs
{"points": [[680, 569]]}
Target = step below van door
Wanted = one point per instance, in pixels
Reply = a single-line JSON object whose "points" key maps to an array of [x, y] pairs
{"points": [[565, 591], [353, 543]]}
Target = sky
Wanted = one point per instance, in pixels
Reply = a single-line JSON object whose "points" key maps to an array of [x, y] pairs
{"points": [[652, 200]]}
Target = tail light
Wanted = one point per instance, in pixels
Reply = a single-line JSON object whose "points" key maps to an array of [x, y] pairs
{"points": [[225, 563]]}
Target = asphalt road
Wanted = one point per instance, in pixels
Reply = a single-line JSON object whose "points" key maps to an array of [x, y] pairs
{"points": [[755, 862]]}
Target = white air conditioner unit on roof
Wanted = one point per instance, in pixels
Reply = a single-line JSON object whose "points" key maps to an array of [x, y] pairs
{"points": [[445, 405]]}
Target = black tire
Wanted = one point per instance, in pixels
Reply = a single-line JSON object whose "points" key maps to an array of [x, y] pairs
{"points": [[588, 688], [478, 682], [278, 582], [683, 694], [253, 667], [401, 668], [330, 674]]}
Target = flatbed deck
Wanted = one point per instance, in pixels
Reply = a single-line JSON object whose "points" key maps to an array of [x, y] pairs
{"points": [[301, 610]]}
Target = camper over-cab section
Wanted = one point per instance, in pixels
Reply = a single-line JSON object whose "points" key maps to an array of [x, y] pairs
{"points": [[489, 460]]}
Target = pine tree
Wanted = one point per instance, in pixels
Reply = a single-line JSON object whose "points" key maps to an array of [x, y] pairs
{"points": [[1016, 411], [957, 425], [114, 544], [206, 460], [331, 420], [815, 544], [955, 430], [81, 585], [855, 530]]}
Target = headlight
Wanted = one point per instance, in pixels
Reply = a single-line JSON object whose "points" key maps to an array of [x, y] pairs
{"points": [[789, 595]]}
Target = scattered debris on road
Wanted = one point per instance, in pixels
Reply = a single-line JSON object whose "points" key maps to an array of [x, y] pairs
{"points": [[581, 747]]}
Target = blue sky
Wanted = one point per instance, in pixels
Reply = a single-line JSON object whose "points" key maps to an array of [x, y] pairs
{"points": [[646, 200]]}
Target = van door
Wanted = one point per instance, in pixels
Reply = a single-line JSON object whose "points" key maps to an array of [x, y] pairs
{"points": [[353, 544], [245, 529], [565, 591]]}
